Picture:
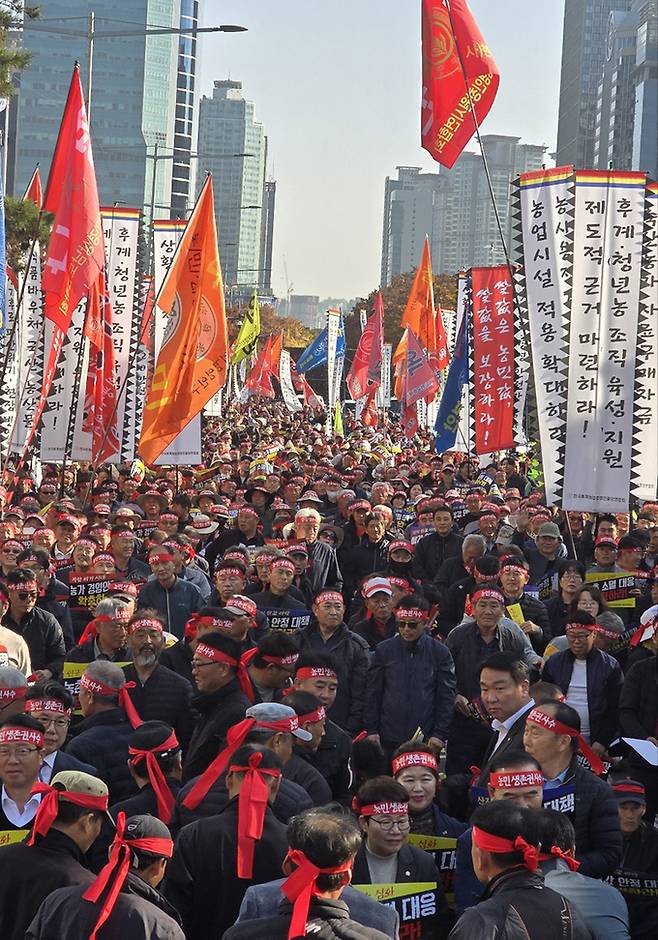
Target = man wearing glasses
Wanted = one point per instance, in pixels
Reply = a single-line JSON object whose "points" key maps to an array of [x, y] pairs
{"points": [[21, 754], [52, 705], [39, 629], [385, 858]]}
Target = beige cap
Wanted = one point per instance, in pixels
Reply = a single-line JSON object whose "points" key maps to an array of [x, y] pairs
{"points": [[75, 781]]}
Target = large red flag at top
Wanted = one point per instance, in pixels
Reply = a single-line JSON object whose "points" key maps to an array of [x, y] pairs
{"points": [[446, 121]]}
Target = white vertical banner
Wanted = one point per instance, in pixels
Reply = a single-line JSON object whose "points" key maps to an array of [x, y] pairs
{"points": [[9, 353], [29, 340], [214, 406], [167, 233], [608, 235], [463, 437], [383, 396], [61, 397], [333, 320], [290, 399], [546, 219], [644, 472], [121, 233]]}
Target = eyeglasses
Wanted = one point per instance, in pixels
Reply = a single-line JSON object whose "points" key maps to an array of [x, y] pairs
{"points": [[26, 595], [577, 636], [403, 823], [59, 723], [196, 665], [18, 753]]}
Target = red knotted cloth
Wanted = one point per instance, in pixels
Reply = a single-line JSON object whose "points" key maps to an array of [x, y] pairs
{"points": [[252, 803], [499, 845], [116, 870], [96, 687], [49, 806], [556, 852], [300, 886], [158, 780]]}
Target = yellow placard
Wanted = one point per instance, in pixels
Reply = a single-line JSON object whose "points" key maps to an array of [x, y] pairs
{"points": [[11, 836], [608, 583], [515, 613], [432, 843], [388, 892]]}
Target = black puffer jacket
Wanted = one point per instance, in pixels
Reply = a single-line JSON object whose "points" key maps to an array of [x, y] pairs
{"points": [[44, 639], [518, 906], [638, 704], [327, 920], [604, 680], [596, 821], [352, 655]]}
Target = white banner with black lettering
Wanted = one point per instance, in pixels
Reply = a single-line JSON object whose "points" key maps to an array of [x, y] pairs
{"points": [[608, 230], [29, 344], [290, 399], [186, 448], [9, 358]]}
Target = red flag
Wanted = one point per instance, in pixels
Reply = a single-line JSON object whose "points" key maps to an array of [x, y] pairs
{"points": [[365, 375], [259, 380], [446, 120], [275, 355], [101, 391], [370, 415], [418, 380], [76, 253], [33, 191], [442, 354]]}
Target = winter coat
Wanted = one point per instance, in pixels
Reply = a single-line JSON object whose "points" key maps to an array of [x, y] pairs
{"points": [[102, 740], [352, 658], [44, 639], [431, 551], [333, 760], [638, 705], [604, 682], [326, 920], [164, 696], [218, 712], [176, 604]]}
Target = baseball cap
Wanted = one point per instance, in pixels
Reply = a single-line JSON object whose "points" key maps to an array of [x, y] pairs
{"points": [[400, 545], [629, 791], [239, 604], [75, 781], [606, 540], [376, 586], [269, 712], [549, 529], [146, 827]]}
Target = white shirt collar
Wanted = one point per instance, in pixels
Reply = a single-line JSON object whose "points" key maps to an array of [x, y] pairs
{"points": [[507, 724], [15, 817]]}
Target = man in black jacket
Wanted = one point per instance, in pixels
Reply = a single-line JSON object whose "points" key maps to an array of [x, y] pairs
{"points": [[202, 882], [158, 694], [505, 693], [39, 629], [434, 549], [329, 633], [221, 702], [327, 842], [638, 718], [456, 567], [636, 876], [552, 737], [329, 750], [52, 593], [516, 902], [29, 873], [535, 624]]}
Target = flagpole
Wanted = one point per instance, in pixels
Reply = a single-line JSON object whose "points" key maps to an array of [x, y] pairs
{"points": [[485, 163]]}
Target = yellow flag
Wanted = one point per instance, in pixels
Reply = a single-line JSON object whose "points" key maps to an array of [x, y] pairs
{"points": [[249, 332], [338, 421]]}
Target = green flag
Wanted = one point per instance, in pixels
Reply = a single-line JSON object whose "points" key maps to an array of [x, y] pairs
{"points": [[338, 421], [249, 332]]}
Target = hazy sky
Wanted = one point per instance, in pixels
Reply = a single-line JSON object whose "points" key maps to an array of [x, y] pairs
{"points": [[337, 87]]}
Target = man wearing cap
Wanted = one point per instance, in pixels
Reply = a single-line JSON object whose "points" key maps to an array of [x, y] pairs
{"points": [[13, 687], [379, 621], [221, 701], [545, 559], [39, 629], [13, 648], [122, 547], [173, 598], [56, 856], [101, 738], [638, 869], [330, 633], [638, 718], [324, 570], [590, 679], [157, 693], [131, 908], [317, 840], [67, 527], [410, 660], [212, 866], [552, 736], [433, 549], [52, 705]]}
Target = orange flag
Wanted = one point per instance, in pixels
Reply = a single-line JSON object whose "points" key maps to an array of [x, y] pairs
{"points": [[34, 191], [192, 362], [419, 313], [275, 355]]}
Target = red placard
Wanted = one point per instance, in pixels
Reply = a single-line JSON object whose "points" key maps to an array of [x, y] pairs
{"points": [[493, 358]]}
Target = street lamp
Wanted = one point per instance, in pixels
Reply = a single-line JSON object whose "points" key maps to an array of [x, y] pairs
{"points": [[91, 34]]}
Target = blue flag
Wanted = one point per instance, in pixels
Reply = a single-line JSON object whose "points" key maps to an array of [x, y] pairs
{"points": [[315, 353], [340, 339], [447, 418]]}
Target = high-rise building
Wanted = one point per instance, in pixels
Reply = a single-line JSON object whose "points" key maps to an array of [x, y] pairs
{"points": [[627, 107], [454, 208], [267, 235], [133, 102], [583, 57], [183, 173], [232, 145]]}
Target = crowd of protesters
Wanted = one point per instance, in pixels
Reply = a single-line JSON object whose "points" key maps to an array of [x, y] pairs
{"points": [[339, 687]]}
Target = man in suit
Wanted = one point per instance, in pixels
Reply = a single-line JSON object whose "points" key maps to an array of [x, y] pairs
{"points": [[52, 705], [505, 692]]}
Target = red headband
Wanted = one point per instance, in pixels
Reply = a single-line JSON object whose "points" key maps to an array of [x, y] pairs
{"points": [[49, 806], [330, 596], [248, 510], [11, 543], [414, 759], [298, 887], [91, 630], [16, 735], [487, 592], [196, 621], [158, 780], [147, 622], [116, 870], [398, 582], [590, 627], [251, 654], [209, 652], [10, 695], [86, 542], [282, 563], [22, 585], [315, 672], [160, 556], [96, 687], [411, 613], [520, 778], [312, 717], [552, 724], [104, 556], [498, 845], [556, 852], [252, 804], [234, 572], [235, 738], [380, 809], [46, 705]]}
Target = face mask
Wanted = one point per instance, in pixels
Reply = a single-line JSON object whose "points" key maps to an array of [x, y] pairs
{"points": [[332, 496]]}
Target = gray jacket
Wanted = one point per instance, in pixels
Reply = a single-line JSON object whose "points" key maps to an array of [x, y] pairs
{"points": [[466, 652], [263, 901], [602, 906]]}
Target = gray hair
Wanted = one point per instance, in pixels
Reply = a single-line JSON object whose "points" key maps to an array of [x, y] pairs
{"points": [[110, 606], [109, 674], [12, 678], [474, 541], [308, 512]]}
